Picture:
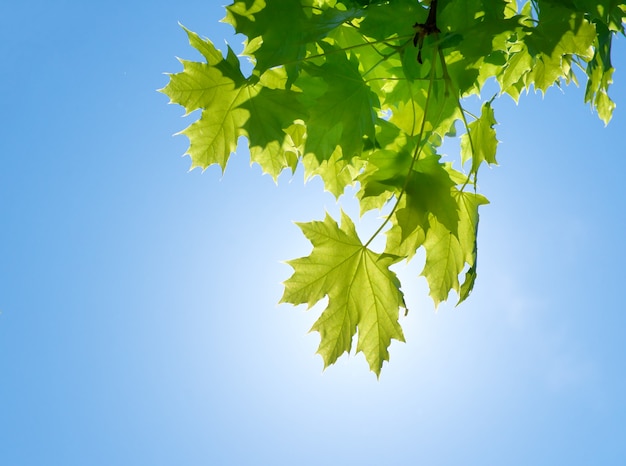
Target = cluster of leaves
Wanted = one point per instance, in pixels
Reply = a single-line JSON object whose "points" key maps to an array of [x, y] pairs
{"points": [[362, 93]]}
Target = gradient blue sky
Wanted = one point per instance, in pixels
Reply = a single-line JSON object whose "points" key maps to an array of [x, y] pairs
{"points": [[139, 323]]}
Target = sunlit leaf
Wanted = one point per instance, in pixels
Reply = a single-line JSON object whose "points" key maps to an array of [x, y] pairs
{"points": [[363, 294]]}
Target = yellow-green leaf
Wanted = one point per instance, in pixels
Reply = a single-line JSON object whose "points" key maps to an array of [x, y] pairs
{"points": [[363, 294]]}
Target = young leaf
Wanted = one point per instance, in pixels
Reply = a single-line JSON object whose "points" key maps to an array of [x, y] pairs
{"points": [[600, 74], [444, 261], [448, 252], [479, 143]]}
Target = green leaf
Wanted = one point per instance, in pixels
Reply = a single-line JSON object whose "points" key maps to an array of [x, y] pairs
{"points": [[393, 19], [272, 112], [447, 252], [214, 136], [271, 45], [560, 32], [444, 261], [408, 102], [336, 172], [384, 175], [342, 111], [468, 284], [363, 294], [217, 88], [258, 19], [600, 74], [429, 192], [204, 46], [468, 205], [518, 65], [398, 242], [479, 143]]}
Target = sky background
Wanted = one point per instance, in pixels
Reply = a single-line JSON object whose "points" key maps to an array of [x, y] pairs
{"points": [[139, 323]]}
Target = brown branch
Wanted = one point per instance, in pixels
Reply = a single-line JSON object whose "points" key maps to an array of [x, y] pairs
{"points": [[425, 29]]}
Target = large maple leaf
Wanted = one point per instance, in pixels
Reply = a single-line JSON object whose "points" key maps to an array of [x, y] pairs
{"points": [[363, 294]]}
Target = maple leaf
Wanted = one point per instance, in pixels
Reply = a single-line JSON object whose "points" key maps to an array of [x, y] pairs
{"points": [[363, 294], [394, 19], [518, 65], [218, 88], [233, 106], [479, 143], [468, 237], [398, 241], [270, 45], [600, 74], [560, 32], [444, 261], [448, 252], [343, 107], [214, 136], [336, 172], [428, 192], [272, 111]]}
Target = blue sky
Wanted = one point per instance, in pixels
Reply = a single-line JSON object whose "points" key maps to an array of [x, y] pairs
{"points": [[139, 322]]}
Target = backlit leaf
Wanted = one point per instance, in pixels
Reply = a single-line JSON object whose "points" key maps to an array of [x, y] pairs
{"points": [[479, 143], [363, 294]]}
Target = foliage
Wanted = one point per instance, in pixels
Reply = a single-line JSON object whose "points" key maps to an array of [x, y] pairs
{"points": [[362, 93]]}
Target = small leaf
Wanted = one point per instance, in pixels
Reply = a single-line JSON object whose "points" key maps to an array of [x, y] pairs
{"points": [[444, 261], [468, 284], [600, 74], [519, 65], [479, 143], [447, 253]]}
